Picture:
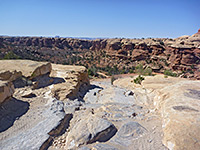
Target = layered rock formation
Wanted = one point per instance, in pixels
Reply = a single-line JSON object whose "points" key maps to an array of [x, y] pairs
{"points": [[57, 108], [32, 117], [11, 70], [181, 54], [177, 101], [75, 81]]}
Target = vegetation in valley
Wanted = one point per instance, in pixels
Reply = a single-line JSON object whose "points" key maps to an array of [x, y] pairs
{"points": [[170, 73]]}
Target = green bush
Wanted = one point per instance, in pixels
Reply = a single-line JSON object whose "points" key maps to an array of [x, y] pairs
{"points": [[92, 71], [131, 71], [147, 72], [139, 68], [141, 71], [165, 76], [138, 80], [170, 73]]}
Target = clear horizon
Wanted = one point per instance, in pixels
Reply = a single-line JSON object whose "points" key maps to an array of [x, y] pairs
{"points": [[100, 19]]}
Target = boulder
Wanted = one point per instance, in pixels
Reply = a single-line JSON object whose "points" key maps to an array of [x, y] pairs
{"points": [[10, 75], [114, 44], [6, 90], [89, 130], [188, 59], [128, 132]]}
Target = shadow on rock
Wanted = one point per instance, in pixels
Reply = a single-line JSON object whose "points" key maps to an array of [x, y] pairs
{"points": [[92, 86], [38, 82], [105, 135], [10, 111], [83, 90], [45, 80]]}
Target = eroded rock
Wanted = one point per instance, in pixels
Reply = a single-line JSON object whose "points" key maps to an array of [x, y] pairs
{"points": [[177, 100], [76, 81], [89, 130], [27, 68], [129, 132], [6, 90]]}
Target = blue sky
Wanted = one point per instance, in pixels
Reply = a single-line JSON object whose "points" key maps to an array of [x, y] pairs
{"points": [[99, 18]]}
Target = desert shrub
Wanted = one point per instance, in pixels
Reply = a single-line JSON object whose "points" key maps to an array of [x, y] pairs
{"points": [[192, 66], [141, 71], [92, 71], [138, 80], [131, 71], [147, 72], [111, 70], [170, 73], [162, 43], [139, 68], [192, 72]]}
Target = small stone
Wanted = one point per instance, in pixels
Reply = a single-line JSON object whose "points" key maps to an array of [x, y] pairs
{"points": [[129, 93], [150, 141], [63, 141]]}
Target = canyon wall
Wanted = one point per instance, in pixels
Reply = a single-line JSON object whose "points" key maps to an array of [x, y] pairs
{"points": [[181, 55]]}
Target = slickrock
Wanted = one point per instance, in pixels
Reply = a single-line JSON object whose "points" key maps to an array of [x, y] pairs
{"points": [[61, 109], [33, 117], [177, 101], [104, 147], [128, 132]]}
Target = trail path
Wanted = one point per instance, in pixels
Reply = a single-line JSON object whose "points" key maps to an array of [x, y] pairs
{"points": [[121, 108]]}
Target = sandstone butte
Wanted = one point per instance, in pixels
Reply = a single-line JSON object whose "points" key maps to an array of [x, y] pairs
{"points": [[54, 106]]}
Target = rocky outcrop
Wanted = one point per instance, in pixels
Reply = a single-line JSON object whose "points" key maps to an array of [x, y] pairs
{"points": [[179, 107], [6, 90], [7, 75], [177, 101], [13, 69], [76, 81], [33, 115]]}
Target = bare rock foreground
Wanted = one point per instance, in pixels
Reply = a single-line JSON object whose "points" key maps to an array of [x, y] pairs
{"points": [[177, 101], [51, 106]]}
